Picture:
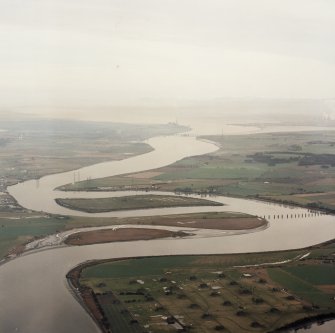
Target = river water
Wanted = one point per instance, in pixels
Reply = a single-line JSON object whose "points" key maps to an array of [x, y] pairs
{"points": [[34, 295], [327, 327]]}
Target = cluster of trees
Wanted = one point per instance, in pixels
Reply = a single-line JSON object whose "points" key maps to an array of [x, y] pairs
{"points": [[318, 159], [270, 159], [303, 159]]}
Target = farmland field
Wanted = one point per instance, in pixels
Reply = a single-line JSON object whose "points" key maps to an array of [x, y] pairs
{"points": [[31, 148], [297, 168], [212, 293], [18, 228]]}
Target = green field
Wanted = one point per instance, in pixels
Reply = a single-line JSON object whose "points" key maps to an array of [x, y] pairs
{"points": [[209, 293], [270, 166], [214, 172], [18, 230], [152, 265], [314, 274], [31, 148], [112, 309], [301, 285], [133, 202], [142, 267]]}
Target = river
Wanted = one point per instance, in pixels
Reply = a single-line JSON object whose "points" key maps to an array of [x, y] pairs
{"points": [[34, 295], [326, 327]]}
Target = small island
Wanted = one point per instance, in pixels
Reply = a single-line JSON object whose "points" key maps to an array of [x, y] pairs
{"points": [[120, 235], [102, 205]]}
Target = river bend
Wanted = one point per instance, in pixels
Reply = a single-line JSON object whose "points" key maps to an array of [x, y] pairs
{"points": [[34, 295]]}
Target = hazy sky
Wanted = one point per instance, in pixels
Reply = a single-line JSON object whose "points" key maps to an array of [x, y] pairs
{"points": [[109, 52]]}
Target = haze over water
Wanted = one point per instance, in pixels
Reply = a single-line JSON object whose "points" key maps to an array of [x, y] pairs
{"points": [[91, 59], [218, 66]]}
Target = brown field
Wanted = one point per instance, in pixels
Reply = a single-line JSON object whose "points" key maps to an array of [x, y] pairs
{"points": [[328, 288], [132, 234], [119, 235]]}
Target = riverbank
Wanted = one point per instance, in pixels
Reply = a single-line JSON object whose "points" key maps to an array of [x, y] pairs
{"points": [[305, 323], [61, 227], [289, 168], [214, 293], [293, 200], [69, 145], [281, 234]]}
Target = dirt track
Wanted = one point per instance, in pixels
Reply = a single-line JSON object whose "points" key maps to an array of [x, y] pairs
{"points": [[229, 223]]}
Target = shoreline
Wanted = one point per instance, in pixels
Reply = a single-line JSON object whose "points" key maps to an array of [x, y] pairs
{"points": [[58, 240], [322, 210], [86, 297], [302, 323]]}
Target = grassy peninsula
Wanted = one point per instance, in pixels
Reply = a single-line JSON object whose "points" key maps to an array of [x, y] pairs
{"points": [[228, 293]]}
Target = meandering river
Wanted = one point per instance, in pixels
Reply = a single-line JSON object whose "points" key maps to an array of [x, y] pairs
{"points": [[34, 295]]}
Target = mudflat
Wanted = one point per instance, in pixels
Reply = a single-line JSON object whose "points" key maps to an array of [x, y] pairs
{"points": [[119, 235]]}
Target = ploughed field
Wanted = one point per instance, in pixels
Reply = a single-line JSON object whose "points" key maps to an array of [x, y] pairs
{"points": [[227, 293]]}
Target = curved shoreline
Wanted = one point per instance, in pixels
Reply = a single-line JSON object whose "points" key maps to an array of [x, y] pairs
{"points": [[37, 286], [120, 235], [166, 150], [59, 240], [300, 324], [91, 306]]}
